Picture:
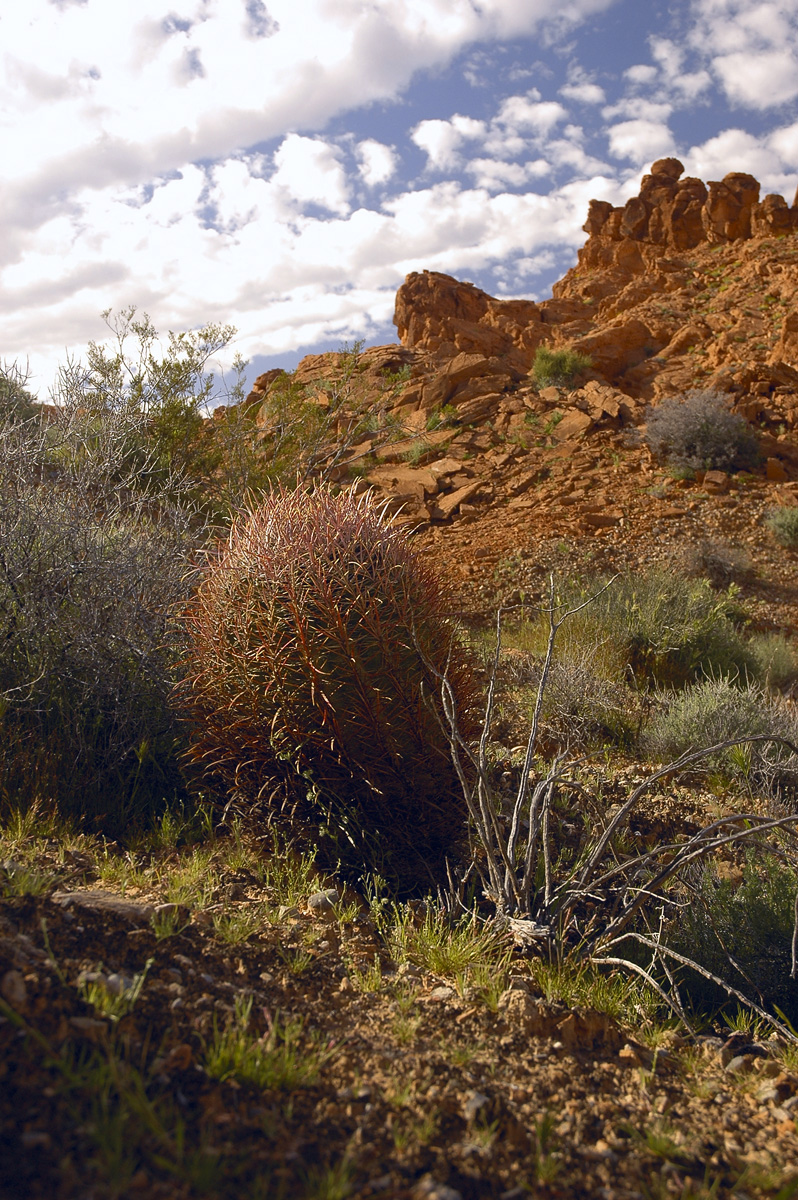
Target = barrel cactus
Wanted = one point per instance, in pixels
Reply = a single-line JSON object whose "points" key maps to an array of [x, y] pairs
{"points": [[312, 684]]}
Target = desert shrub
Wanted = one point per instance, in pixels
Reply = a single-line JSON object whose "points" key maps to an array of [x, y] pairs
{"points": [[753, 920], [663, 627], [782, 522], [719, 562], [315, 638], [700, 432], [16, 402], [90, 569], [586, 701], [557, 367], [774, 656], [715, 710], [582, 708]]}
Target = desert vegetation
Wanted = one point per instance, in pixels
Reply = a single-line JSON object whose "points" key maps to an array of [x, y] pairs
{"points": [[234, 698]]}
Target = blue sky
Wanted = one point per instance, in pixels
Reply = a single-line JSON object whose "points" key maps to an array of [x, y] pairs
{"points": [[282, 164]]}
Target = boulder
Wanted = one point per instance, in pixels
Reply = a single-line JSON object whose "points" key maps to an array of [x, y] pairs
{"points": [[445, 317], [726, 215], [772, 216]]}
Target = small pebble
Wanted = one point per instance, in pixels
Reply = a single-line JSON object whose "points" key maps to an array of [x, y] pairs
{"points": [[13, 989], [323, 902]]}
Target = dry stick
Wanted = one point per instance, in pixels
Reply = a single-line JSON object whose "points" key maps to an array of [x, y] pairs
{"points": [[652, 983], [680, 861], [621, 868], [554, 628], [678, 764], [478, 816], [794, 965], [727, 987], [657, 958]]}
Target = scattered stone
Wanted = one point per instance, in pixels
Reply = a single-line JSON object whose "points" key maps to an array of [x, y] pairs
{"points": [[442, 993], [102, 901], [14, 991], [322, 903], [775, 471], [474, 1105], [715, 482], [428, 1189]]}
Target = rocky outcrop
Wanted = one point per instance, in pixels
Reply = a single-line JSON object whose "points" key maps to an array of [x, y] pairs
{"points": [[444, 317], [681, 213]]}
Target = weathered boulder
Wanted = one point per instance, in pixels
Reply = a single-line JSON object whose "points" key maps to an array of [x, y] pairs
{"points": [[772, 216], [726, 215], [786, 349], [445, 317]]}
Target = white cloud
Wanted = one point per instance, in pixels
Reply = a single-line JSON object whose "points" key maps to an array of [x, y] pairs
{"points": [[760, 80], [377, 162], [529, 114], [640, 109], [641, 73], [442, 140], [641, 141], [770, 158], [309, 171], [752, 48], [583, 93], [494, 174]]}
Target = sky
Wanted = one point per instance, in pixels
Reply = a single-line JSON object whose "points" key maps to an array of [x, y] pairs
{"points": [[281, 165]]}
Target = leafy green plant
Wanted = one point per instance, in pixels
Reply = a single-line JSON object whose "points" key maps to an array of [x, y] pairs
{"points": [[112, 995], [557, 367], [450, 949], [700, 432], [315, 638], [782, 523], [236, 926], [441, 417]]}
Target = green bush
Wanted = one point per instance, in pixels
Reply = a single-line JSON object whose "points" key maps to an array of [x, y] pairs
{"points": [[774, 656], [16, 402], [716, 710], [665, 628], [91, 568], [699, 432], [783, 524], [753, 921], [316, 636], [557, 367]]}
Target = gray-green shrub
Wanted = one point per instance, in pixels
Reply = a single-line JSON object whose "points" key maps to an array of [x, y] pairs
{"points": [[665, 628], [782, 523], [753, 921], [93, 560], [715, 710], [700, 432]]}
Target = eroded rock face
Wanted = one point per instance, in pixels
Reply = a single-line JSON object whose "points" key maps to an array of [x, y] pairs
{"points": [[445, 317], [681, 213]]}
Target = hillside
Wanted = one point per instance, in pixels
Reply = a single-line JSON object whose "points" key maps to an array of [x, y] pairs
{"points": [[688, 286], [192, 1004]]}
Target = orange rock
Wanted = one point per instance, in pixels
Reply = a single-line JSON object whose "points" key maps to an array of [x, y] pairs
{"points": [[574, 424], [715, 482], [775, 472], [726, 215], [441, 315]]}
